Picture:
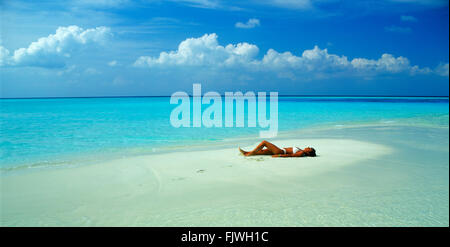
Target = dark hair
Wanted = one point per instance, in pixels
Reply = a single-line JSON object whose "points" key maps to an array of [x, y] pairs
{"points": [[311, 153]]}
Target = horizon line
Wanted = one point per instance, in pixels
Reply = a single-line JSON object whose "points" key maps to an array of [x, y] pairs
{"points": [[222, 95]]}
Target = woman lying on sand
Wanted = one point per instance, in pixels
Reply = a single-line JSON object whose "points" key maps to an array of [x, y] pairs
{"points": [[275, 151]]}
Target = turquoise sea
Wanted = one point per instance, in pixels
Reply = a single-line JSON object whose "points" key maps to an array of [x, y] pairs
{"points": [[48, 131]]}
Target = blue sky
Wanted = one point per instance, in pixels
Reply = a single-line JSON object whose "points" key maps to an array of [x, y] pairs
{"points": [[301, 47]]}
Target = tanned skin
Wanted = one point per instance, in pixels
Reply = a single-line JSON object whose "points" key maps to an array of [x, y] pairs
{"points": [[267, 148]]}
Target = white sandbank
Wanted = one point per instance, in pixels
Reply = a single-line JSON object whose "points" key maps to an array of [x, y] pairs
{"points": [[198, 188]]}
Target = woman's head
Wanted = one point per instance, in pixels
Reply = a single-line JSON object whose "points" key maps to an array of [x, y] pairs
{"points": [[309, 151]]}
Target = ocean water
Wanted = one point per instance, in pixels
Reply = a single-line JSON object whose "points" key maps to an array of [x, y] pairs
{"points": [[46, 132]]}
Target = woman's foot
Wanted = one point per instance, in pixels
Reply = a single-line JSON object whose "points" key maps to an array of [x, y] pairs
{"points": [[243, 152]]}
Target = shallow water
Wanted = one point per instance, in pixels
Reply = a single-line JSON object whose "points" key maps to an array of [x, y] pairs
{"points": [[54, 132]]}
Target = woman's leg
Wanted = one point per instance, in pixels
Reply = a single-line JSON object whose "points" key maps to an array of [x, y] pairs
{"points": [[260, 152], [271, 149]]}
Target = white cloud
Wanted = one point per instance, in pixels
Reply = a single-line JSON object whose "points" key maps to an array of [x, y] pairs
{"points": [[295, 4], [4, 56], [387, 63], [423, 2], [66, 70], [310, 5], [55, 49], [442, 69], [307, 4], [207, 4], [112, 63], [408, 18], [234, 5], [251, 23], [397, 29], [314, 60], [319, 60], [205, 51], [100, 3]]}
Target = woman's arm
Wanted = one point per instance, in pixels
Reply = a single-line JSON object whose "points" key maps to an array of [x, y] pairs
{"points": [[282, 155], [298, 154]]}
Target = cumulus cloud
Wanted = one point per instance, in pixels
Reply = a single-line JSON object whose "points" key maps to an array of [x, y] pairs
{"points": [[388, 63], [315, 59], [408, 18], [4, 56], [206, 51], [251, 23], [203, 51], [442, 69], [55, 49]]}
